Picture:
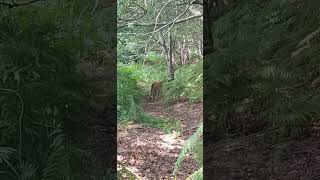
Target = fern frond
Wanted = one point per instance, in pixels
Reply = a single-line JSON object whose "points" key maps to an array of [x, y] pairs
{"points": [[5, 153], [197, 175], [193, 145], [27, 171]]}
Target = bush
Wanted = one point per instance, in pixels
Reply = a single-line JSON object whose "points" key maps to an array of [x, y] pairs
{"points": [[188, 83], [41, 94], [153, 58], [128, 94]]}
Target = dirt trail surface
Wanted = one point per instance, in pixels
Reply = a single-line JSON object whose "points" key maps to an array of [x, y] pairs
{"points": [[151, 153]]}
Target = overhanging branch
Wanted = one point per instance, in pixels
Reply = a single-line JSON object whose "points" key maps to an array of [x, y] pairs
{"points": [[167, 23]]}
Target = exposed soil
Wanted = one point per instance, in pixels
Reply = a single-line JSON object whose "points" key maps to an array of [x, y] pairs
{"points": [[151, 153]]}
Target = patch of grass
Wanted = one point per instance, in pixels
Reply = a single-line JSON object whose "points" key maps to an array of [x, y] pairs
{"points": [[188, 84], [168, 125]]}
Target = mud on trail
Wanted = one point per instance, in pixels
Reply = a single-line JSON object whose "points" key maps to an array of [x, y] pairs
{"points": [[151, 153]]}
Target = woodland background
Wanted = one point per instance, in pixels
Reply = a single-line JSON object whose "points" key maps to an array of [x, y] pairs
{"points": [[261, 75]]}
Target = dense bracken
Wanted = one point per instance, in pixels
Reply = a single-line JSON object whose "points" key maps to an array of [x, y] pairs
{"points": [[44, 104], [265, 65]]}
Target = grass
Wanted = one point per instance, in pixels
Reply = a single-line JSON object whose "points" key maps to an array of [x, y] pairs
{"points": [[167, 125]]}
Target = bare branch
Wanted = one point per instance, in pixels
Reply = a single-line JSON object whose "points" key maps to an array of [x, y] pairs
{"points": [[199, 2], [168, 23], [165, 24], [136, 16], [155, 24], [173, 22], [102, 4], [13, 4], [95, 6]]}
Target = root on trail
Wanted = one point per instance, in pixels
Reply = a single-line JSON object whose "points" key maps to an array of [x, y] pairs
{"points": [[149, 152]]}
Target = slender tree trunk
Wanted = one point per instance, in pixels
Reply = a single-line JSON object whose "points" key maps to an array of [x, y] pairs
{"points": [[200, 49], [189, 54], [184, 55], [163, 51], [170, 70], [180, 53]]}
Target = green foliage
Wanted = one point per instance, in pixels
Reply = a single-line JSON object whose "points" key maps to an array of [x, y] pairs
{"points": [[153, 58], [168, 125], [128, 94], [41, 94], [188, 84], [188, 81], [128, 50], [125, 173], [135, 42], [193, 146], [51, 161], [253, 69], [154, 69], [197, 175], [134, 46]]}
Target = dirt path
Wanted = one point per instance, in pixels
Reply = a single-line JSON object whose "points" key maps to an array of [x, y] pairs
{"points": [[149, 152]]}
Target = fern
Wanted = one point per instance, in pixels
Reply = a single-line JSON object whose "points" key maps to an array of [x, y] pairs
{"points": [[259, 66], [197, 175], [188, 84], [40, 46], [56, 161], [128, 95], [193, 145], [5, 153], [27, 171]]}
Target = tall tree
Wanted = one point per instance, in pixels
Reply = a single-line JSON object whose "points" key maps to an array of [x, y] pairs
{"points": [[172, 26]]}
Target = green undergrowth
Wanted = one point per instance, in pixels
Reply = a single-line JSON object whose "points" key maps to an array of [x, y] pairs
{"points": [[129, 95], [43, 110], [134, 82], [188, 82], [168, 125], [264, 65], [153, 69], [193, 146]]}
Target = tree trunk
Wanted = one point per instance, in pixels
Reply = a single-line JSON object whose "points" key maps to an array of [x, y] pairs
{"points": [[184, 55], [180, 53], [170, 70], [200, 49]]}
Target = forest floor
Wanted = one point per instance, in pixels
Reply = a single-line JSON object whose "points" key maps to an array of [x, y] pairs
{"points": [[263, 156], [151, 153]]}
